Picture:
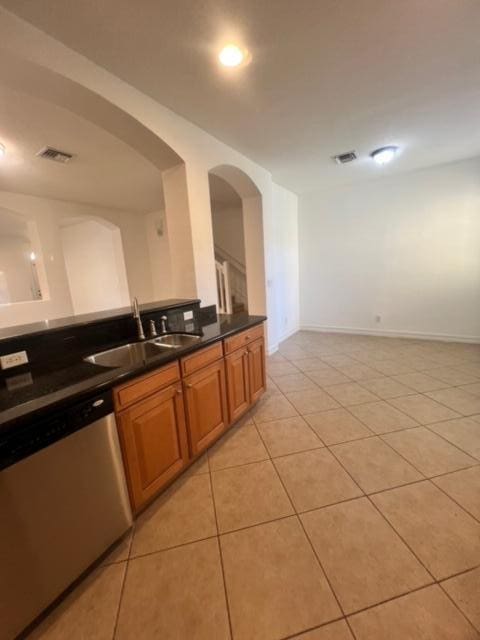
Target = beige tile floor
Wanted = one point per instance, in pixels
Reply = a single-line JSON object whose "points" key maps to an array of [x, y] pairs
{"points": [[345, 506]]}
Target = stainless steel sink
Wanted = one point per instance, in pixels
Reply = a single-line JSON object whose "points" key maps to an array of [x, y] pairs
{"points": [[176, 340], [137, 352], [128, 354]]}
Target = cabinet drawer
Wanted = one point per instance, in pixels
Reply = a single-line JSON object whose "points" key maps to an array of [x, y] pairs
{"points": [[135, 390], [241, 339], [201, 358]]}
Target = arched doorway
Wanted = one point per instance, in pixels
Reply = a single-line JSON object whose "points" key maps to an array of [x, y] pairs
{"points": [[229, 246], [237, 225], [99, 217]]}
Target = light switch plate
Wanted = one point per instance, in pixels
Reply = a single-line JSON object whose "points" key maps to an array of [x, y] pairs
{"points": [[188, 315], [13, 359]]}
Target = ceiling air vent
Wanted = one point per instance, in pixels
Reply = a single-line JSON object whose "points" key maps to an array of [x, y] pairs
{"points": [[343, 158], [49, 153]]}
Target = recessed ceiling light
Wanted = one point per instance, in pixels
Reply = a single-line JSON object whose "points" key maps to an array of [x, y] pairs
{"points": [[3, 151], [384, 154], [231, 55]]}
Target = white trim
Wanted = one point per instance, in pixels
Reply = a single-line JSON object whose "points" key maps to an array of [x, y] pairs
{"points": [[391, 333], [272, 349], [288, 334]]}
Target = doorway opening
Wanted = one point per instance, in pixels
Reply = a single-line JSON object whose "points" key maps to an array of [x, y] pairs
{"points": [[229, 245], [237, 225]]}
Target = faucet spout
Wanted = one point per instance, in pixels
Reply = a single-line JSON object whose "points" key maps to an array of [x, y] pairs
{"points": [[136, 315]]}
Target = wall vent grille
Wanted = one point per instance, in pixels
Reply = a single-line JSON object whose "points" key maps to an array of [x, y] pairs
{"points": [[344, 158], [49, 153]]}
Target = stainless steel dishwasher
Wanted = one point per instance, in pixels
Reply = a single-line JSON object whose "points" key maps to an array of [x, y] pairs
{"points": [[63, 502]]}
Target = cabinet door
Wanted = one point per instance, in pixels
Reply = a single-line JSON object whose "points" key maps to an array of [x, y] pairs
{"points": [[206, 405], [154, 443], [238, 388], [256, 361]]}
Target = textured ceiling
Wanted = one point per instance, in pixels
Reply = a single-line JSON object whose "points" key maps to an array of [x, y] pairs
{"points": [[325, 76], [104, 170]]}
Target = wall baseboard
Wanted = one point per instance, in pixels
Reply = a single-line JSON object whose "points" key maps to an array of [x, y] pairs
{"points": [[286, 335], [391, 333], [274, 347]]}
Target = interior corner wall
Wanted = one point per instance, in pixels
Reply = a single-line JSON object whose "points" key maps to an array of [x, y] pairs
{"points": [[87, 245], [395, 256], [159, 252], [286, 268]]}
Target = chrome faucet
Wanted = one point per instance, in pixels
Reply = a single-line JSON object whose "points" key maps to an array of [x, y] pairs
{"points": [[163, 324], [136, 315], [153, 329]]}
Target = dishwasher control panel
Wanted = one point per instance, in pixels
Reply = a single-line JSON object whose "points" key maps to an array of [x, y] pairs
{"points": [[21, 442]]}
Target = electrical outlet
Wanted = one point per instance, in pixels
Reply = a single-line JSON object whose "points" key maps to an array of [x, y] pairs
{"points": [[188, 315], [378, 319], [13, 359]]}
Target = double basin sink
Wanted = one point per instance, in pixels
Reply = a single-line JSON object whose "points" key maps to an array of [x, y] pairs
{"points": [[138, 352]]}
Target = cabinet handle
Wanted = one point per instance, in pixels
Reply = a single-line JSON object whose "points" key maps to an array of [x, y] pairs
{"points": [[179, 392], [189, 386]]}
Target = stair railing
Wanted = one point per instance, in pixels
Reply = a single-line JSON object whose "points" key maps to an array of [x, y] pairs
{"points": [[222, 271]]}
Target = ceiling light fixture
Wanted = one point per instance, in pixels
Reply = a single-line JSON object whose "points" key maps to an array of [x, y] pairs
{"points": [[384, 155], [231, 55], [3, 151]]}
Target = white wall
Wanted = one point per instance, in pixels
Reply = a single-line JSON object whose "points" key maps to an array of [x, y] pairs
{"points": [[95, 267], [228, 231], [405, 248], [286, 275], [200, 152], [15, 269], [159, 252], [47, 215]]}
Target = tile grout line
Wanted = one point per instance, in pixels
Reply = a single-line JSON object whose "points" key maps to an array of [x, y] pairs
{"points": [[220, 552], [458, 608], [299, 520], [170, 548], [379, 436], [120, 599], [297, 514], [386, 519], [435, 580], [428, 426], [310, 629]]}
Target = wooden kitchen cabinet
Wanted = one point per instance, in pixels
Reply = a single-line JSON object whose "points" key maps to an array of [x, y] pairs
{"points": [[168, 416], [238, 383], [206, 405], [256, 369], [154, 443], [246, 374]]}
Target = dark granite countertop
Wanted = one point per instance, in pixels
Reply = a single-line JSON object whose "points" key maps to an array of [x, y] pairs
{"points": [[35, 391]]}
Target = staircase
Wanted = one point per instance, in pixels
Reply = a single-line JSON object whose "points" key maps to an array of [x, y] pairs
{"points": [[231, 283]]}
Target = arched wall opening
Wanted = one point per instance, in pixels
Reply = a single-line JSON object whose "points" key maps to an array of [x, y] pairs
{"points": [[140, 239], [249, 200]]}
